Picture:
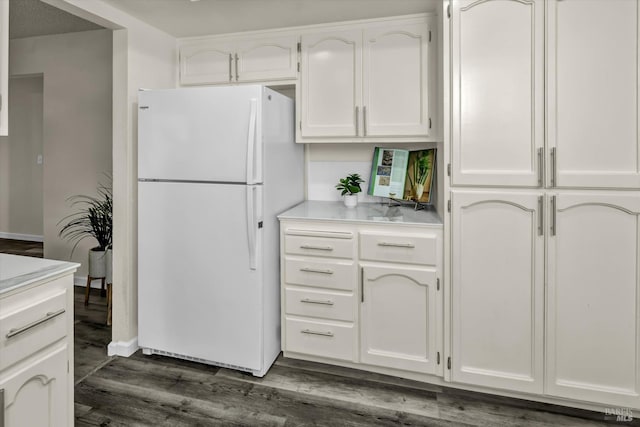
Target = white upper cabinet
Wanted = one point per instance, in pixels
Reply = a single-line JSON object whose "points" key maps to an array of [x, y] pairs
{"points": [[395, 84], [239, 60], [4, 68], [593, 299], [497, 92], [498, 290], [373, 80], [593, 93], [330, 84]]}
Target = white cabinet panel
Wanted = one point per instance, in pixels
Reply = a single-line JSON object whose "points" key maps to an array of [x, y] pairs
{"points": [[497, 290], [36, 394], [497, 92], [593, 93], [395, 80], [206, 63], [4, 68], [331, 83], [594, 299], [267, 59], [398, 326]]}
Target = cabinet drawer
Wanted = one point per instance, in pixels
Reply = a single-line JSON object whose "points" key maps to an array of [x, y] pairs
{"points": [[332, 274], [320, 339], [319, 246], [312, 303], [31, 328], [404, 248]]}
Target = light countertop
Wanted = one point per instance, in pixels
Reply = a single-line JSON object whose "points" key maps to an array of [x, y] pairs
{"points": [[17, 271], [364, 212]]}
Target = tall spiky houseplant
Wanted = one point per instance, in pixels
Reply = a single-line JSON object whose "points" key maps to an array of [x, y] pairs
{"points": [[93, 218]]}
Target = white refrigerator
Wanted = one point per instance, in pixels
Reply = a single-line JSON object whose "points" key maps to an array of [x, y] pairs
{"points": [[215, 167]]}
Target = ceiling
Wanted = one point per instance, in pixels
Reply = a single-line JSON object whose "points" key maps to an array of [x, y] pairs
{"points": [[186, 18], [30, 18]]}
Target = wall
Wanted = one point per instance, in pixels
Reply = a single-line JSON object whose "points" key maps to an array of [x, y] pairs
{"points": [[143, 57], [20, 173], [76, 122]]}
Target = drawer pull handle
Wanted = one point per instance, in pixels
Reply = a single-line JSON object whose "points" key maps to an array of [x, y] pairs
{"points": [[310, 332], [397, 245], [316, 270], [47, 317], [319, 248], [317, 301]]}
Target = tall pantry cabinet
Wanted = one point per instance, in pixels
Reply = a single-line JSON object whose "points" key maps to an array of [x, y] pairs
{"points": [[545, 207]]}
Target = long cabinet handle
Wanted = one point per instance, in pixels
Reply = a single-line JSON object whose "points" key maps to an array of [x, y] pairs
{"points": [[318, 248], [540, 216], [311, 332], [553, 215], [364, 120], [540, 166], [397, 245], [357, 112], [230, 65], [47, 317], [316, 301], [554, 161], [236, 67], [316, 270]]}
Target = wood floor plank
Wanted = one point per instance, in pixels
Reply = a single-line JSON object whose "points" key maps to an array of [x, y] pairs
{"points": [[346, 389]]}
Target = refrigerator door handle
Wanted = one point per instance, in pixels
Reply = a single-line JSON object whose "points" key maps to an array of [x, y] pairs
{"points": [[251, 142], [252, 225]]}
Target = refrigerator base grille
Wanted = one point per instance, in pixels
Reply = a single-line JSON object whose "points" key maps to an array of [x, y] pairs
{"points": [[197, 359]]}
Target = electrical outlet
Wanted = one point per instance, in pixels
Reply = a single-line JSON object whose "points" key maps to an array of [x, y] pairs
{"points": [[39, 159]]}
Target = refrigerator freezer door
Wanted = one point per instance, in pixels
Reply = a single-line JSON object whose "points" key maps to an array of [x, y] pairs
{"points": [[198, 295], [199, 134]]}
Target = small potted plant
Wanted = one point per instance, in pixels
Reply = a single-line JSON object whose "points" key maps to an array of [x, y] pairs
{"points": [[422, 165], [349, 188], [93, 218]]}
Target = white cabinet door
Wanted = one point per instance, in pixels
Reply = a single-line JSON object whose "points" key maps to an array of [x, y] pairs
{"points": [[497, 92], [398, 323], [593, 299], [395, 79], [35, 393], [331, 84], [207, 63], [267, 59], [4, 68], [593, 98], [498, 290]]}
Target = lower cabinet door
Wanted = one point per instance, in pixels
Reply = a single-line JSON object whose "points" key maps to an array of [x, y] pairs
{"points": [[593, 297], [398, 327], [35, 394], [498, 290]]}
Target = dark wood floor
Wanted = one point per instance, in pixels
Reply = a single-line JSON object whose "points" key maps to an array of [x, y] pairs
{"points": [[21, 247], [159, 391]]}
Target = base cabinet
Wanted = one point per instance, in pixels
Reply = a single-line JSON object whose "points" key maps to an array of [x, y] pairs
{"points": [[35, 394], [398, 318], [593, 323]]}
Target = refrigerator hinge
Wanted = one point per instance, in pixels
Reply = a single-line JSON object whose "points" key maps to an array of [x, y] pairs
{"points": [[448, 169], [429, 36], [449, 363], [438, 358], [449, 206], [438, 284]]}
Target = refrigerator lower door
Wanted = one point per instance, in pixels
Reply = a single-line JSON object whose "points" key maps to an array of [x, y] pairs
{"points": [[199, 278]]}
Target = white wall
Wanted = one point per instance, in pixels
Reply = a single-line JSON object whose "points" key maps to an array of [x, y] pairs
{"points": [[143, 57], [20, 173], [76, 69]]}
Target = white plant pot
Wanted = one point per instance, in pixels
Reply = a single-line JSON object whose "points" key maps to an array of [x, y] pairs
{"points": [[351, 200], [109, 266], [97, 264]]}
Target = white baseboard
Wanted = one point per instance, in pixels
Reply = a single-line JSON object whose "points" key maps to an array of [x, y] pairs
{"points": [[122, 348], [18, 236]]}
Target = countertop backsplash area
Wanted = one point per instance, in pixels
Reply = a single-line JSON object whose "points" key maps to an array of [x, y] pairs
{"points": [[323, 176]]}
